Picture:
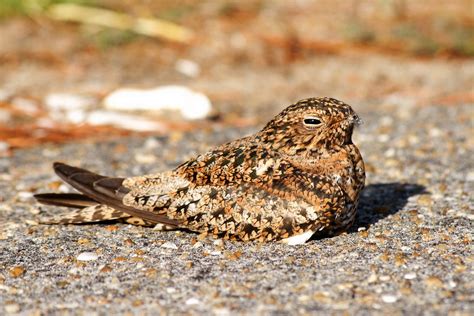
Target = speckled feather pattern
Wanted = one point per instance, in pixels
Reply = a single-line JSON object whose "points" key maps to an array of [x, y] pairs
{"points": [[301, 173]]}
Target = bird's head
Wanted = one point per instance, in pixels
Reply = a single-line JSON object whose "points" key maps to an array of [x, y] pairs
{"points": [[310, 125]]}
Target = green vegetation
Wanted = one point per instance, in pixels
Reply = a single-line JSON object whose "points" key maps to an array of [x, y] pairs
{"points": [[107, 37], [417, 42], [175, 13], [9, 8], [421, 38], [357, 32]]}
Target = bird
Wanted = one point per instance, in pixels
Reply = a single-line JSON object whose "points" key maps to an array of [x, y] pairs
{"points": [[298, 177]]}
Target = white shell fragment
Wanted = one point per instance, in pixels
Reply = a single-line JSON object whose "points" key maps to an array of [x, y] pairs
{"points": [[87, 256], [192, 105]]}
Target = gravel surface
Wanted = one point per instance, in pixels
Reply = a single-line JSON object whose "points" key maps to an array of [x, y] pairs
{"points": [[410, 250]]}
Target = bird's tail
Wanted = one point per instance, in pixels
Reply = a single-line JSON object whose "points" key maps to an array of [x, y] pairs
{"points": [[101, 197]]}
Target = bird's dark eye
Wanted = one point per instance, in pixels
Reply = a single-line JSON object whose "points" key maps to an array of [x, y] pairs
{"points": [[312, 121]]}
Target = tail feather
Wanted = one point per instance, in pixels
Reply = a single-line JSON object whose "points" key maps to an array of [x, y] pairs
{"points": [[65, 199], [101, 190]]}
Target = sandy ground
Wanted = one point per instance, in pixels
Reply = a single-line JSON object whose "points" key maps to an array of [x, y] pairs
{"points": [[410, 251]]}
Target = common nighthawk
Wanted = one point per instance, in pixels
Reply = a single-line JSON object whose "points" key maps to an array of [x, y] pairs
{"points": [[300, 175]]}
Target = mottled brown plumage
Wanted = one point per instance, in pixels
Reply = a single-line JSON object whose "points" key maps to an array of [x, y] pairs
{"points": [[299, 175]]}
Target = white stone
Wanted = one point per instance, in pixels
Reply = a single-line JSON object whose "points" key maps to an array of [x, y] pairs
{"points": [[151, 143], [5, 116], [5, 95], [188, 67], [87, 256], [384, 278], [24, 196], [192, 301], [4, 146], [386, 120], [12, 308], [410, 276], [144, 158], [388, 298], [170, 290], [76, 116], [67, 101], [25, 105], [383, 138], [390, 153], [222, 311], [435, 132], [191, 104], [372, 278], [130, 122]]}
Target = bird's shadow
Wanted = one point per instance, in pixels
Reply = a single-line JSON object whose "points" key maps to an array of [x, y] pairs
{"points": [[380, 200]]}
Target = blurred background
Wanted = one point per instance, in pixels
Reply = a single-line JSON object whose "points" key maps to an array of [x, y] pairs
{"points": [[193, 64]]}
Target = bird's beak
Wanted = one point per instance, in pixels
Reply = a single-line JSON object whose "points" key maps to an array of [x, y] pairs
{"points": [[356, 120]]}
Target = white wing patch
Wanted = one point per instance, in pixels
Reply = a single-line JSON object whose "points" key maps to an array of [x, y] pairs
{"points": [[298, 239]]}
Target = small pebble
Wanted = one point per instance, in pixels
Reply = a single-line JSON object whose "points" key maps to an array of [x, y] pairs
{"points": [[410, 276], [388, 298], [151, 143], [188, 67], [383, 138], [34, 210], [144, 158], [384, 278], [218, 242], [31, 222], [434, 282], [24, 196], [169, 245], [193, 301], [87, 256], [4, 146], [197, 244], [67, 101], [372, 278], [12, 308], [17, 271]]}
